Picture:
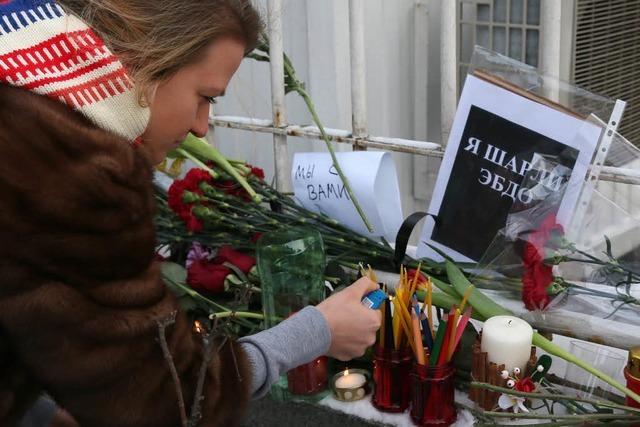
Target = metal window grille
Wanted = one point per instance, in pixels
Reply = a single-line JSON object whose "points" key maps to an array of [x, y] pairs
{"points": [[607, 55], [509, 27]]}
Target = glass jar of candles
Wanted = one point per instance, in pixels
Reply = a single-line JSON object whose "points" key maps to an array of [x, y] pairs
{"points": [[391, 369], [432, 395]]}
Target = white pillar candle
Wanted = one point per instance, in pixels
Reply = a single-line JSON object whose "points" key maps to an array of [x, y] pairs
{"points": [[350, 380], [507, 340]]}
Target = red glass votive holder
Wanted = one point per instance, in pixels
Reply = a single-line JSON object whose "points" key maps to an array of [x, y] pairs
{"points": [[432, 395], [391, 369], [633, 384], [310, 378]]}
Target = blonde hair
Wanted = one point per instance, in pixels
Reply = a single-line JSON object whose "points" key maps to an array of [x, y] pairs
{"points": [[154, 38]]}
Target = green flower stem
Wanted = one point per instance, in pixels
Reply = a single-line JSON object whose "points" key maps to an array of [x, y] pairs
{"points": [[554, 349], [237, 314], [307, 99], [577, 289], [195, 295], [330, 224], [198, 163], [293, 84], [277, 217], [591, 259], [240, 167], [615, 267], [199, 147], [551, 396], [288, 203], [583, 418], [337, 166]]}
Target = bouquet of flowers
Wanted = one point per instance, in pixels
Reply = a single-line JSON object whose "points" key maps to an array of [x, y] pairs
{"points": [[532, 259]]}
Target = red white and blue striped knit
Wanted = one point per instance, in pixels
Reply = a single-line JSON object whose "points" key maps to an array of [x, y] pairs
{"points": [[55, 54]]}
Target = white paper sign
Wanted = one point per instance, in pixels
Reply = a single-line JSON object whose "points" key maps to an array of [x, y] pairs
{"points": [[372, 176], [494, 140]]}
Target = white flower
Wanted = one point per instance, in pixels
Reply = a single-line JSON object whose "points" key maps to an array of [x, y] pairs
{"points": [[507, 401]]}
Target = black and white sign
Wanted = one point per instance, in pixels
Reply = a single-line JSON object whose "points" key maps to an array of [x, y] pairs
{"points": [[494, 140]]}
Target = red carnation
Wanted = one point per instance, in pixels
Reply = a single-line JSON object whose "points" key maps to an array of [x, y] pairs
{"points": [[229, 187], [537, 275], [257, 172], [192, 223], [525, 385], [411, 273], [227, 254], [194, 177], [175, 197], [207, 276], [191, 183]]}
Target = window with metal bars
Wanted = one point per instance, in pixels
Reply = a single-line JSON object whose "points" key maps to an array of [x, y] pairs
{"points": [[606, 57], [510, 27]]}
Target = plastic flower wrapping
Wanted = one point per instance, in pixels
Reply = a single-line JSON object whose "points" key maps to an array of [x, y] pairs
{"points": [[577, 272]]}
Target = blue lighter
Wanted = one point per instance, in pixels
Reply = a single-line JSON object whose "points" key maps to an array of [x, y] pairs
{"points": [[374, 299]]}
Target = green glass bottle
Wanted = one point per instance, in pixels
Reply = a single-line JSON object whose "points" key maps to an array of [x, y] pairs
{"points": [[291, 264]]}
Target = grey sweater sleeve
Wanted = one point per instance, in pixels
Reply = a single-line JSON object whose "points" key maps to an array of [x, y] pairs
{"points": [[297, 340]]}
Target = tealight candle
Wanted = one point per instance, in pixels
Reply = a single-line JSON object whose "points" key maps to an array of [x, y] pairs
{"points": [[350, 386], [348, 380], [507, 340]]}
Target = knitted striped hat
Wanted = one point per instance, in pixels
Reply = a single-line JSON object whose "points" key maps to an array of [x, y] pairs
{"points": [[52, 53]]}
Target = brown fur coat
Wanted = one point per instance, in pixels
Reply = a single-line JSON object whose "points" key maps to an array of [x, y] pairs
{"points": [[80, 295]]}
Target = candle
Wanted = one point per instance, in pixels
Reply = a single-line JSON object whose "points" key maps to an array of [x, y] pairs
{"points": [[347, 380], [507, 340]]}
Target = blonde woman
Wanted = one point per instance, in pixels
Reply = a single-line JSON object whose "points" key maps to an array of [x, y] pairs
{"points": [[92, 94]]}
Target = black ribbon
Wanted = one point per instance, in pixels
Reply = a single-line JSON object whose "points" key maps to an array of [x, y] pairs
{"points": [[402, 238]]}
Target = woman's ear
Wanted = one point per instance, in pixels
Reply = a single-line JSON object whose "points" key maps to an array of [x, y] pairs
{"points": [[148, 95]]}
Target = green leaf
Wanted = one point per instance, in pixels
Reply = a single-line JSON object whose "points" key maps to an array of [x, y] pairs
{"points": [[174, 274], [481, 304], [445, 287], [609, 253]]}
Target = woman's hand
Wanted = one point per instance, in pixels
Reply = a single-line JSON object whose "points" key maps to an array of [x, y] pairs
{"points": [[353, 326]]}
